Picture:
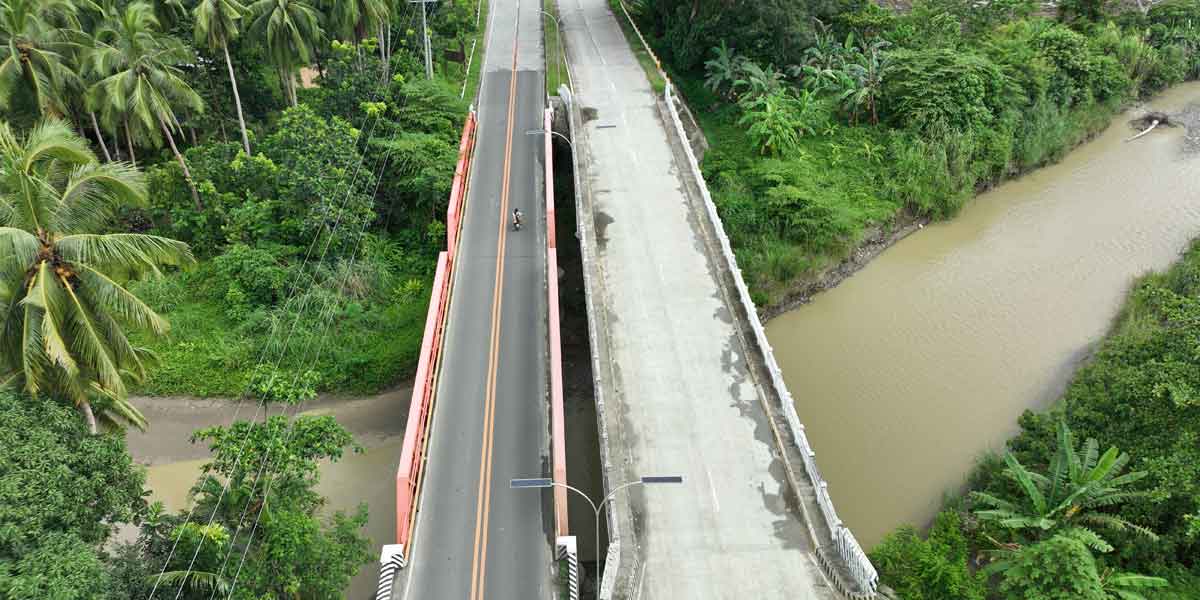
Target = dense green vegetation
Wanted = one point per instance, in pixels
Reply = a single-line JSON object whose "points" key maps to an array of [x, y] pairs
{"points": [[243, 235], [314, 212], [327, 232], [62, 490], [1052, 512], [276, 549], [831, 120]]}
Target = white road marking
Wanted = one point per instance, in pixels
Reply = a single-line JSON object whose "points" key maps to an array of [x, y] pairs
{"points": [[713, 489], [641, 581]]}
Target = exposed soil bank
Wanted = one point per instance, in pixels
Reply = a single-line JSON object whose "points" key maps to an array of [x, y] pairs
{"points": [[372, 419], [875, 241]]}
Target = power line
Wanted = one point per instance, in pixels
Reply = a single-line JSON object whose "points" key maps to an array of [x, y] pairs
{"points": [[316, 358], [258, 363], [283, 350], [425, 34]]}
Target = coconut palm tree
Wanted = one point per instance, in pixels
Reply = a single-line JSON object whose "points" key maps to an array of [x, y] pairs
{"points": [[216, 25], [196, 582], [142, 85], [63, 304], [291, 29], [31, 55], [87, 78], [1080, 485], [354, 19]]}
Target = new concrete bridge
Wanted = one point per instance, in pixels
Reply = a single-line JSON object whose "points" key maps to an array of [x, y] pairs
{"points": [[685, 382]]}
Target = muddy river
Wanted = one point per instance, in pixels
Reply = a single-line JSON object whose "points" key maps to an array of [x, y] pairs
{"points": [[912, 368], [377, 422]]}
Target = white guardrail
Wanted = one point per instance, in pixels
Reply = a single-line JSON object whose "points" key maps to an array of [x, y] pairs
{"points": [[861, 570]]}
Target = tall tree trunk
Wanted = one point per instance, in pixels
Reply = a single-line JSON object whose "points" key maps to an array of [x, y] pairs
{"points": [[129, 140], [85, 407], [187, 174], [100, 136], [288, 83], [383, 52], [237, 99]]}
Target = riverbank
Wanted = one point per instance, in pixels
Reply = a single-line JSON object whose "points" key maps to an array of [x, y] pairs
{"points": [[1136, 392], [371, 419], [376, 422], [878, 238], [932, 351], [824, 155], [795, 275]]}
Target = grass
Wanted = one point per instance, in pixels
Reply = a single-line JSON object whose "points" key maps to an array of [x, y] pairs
{"points": [[479, 38], [213, 351], [556, 60], [657, 83]]}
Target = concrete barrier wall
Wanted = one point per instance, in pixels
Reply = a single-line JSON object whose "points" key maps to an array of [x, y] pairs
{"points": [[412, 453], [621, 561], [852, 572], [408, 474], [558, 430], [458, 188]]}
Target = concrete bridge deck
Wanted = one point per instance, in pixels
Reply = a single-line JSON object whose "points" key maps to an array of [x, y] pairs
{"points": [[676, 392]]}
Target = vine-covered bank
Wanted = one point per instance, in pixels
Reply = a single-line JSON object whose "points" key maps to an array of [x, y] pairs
{"points": [[833, 121]]}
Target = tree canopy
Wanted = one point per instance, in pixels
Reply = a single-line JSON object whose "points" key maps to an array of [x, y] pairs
{"points": [[61, 491]]}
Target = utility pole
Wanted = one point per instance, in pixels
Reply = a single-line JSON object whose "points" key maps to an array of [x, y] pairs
{"points": [[425, 34]]}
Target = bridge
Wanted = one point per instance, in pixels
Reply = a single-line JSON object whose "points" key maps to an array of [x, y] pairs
{"points": [[684, 379]]}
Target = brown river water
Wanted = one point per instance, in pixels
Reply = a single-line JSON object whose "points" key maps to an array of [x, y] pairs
{"points": [[377, 422], [914, 367]]}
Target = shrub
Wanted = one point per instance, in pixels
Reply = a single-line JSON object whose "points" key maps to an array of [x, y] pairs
{"points": [[773, 122], [935, 568], [260, 273], [930, 89]]}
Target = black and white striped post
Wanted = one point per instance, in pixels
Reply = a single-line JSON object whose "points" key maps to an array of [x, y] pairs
{"points": [[391, 560], [566, 550], [544, 482]]}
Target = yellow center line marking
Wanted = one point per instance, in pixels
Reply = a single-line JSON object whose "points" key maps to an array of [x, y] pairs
{"points": [[483, 502]]}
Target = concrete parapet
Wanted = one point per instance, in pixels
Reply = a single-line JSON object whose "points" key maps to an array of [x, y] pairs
{"points": [[622, 560]]}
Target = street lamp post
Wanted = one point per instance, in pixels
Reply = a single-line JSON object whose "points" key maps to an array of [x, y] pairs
{"points": [[597, 508], [551, 132]]}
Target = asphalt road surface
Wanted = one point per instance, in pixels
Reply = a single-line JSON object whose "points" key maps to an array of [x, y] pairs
{"points": [[475, 538]]}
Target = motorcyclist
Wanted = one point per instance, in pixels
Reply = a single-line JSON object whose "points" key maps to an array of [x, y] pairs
{"points": [[516, 218]]}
